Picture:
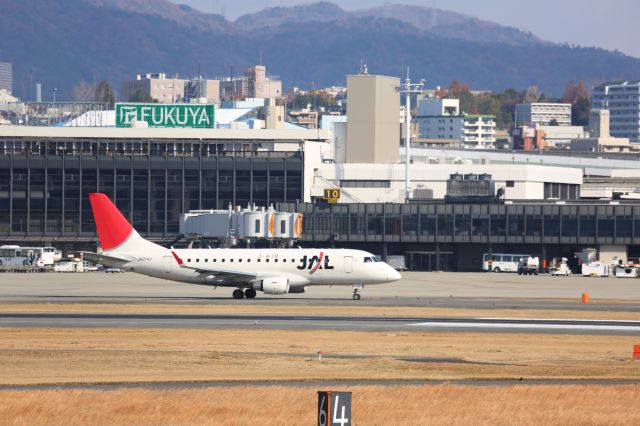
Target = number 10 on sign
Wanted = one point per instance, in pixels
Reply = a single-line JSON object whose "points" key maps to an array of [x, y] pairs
{"points": [[334, 408]]}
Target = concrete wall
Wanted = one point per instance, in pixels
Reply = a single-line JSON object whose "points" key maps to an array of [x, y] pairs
{"points": [[213, 90], [609, 253], [272, 89], [373, 124]]}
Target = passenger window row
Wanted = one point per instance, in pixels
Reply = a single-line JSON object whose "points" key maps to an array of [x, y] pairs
{"points": [[240, 260]]}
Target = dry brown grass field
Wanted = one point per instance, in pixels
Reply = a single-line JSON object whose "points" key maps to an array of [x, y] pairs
{"points": [[372, 405], [246, 309], [32, 355]]}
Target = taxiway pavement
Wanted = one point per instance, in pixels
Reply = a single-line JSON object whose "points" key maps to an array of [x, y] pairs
{"points": [[454, 290]]}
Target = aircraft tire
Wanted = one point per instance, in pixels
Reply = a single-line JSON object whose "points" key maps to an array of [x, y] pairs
{"points": [[356, 296], [250, 293], [238, 294]]}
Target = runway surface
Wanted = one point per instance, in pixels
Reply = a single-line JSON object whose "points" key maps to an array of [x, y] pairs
{"points": [[300, 322]]}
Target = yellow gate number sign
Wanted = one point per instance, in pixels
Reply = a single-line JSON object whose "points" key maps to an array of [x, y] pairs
{"points": [[331, 195]]}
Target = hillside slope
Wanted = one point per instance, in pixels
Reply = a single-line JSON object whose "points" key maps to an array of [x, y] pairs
{"points": [[60, 43]]}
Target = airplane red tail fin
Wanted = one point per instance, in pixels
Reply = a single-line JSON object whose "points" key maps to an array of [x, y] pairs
{"points": [[113, 229]]}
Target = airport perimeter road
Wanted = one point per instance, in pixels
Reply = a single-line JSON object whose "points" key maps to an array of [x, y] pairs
{"points": [[415, 288]]}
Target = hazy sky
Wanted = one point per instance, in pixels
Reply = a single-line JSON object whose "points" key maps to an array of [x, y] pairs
{"points": [[612, 24]]}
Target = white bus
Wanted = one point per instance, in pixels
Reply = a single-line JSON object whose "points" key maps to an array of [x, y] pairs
{"points": [[501, 262]]}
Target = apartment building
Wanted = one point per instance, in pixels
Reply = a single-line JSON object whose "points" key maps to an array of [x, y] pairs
{"points": [[441, 119], [479, 131], [165, 89]]}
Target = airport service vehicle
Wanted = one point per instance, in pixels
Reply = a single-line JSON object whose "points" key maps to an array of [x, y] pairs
{"points": [[272, 271], [559, 267], [528, 265], [627, 271], [501, 262], [595, 269]]}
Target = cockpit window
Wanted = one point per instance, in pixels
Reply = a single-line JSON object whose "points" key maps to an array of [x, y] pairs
{"points": [[372, 259], [368, 259], [377, 259]]}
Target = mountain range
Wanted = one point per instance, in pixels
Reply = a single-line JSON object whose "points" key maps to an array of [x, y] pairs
{"points": [[59, 43]]}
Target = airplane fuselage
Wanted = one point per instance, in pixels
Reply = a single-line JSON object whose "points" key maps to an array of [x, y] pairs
{"points": [[302, 267]]}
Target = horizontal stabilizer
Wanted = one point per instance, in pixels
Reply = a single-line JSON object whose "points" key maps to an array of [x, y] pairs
{"points": [[101, 259]]}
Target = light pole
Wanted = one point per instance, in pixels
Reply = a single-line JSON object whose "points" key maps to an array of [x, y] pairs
{"points": [[54, 95], [408, 89]]}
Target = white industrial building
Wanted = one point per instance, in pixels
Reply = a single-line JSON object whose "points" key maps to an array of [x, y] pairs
{"points": [[561, 136], [385, 183], [543, 114]]}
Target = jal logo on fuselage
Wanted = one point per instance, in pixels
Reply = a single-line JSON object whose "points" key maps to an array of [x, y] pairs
{"points": [[314, 263]]}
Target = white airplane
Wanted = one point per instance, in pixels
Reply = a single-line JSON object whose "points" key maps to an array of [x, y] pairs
{"points": [[272, 271]]}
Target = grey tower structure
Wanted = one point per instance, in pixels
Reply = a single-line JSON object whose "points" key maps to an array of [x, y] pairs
{"points": [[622, 99], [6, 76]]}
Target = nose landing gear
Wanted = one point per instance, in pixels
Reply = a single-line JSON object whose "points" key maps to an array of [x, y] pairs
{"points": [[356, 295]]}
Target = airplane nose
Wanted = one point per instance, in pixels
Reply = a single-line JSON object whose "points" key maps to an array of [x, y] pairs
{"points": [[393, 275]]}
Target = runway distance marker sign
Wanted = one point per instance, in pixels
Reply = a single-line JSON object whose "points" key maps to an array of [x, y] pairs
{"points": [[334, 408]]}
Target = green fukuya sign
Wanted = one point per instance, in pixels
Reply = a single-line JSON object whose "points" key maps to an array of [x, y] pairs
{"points": [[165, 115]]}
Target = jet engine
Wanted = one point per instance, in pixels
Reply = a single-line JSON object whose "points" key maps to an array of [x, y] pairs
{"points": [[272, 285]]}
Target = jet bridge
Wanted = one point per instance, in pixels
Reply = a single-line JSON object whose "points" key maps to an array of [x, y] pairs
{"points": [[237, 225]]}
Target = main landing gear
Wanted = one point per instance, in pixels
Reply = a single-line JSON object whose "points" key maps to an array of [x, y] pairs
{"points": [[248, 293]]}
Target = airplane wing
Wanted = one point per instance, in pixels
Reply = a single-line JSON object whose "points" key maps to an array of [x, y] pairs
{"points": [[219, 274], [101, 259]]}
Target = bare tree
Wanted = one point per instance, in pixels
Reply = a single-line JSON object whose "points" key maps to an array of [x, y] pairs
{"points": [[83, 92], [532, 94]]}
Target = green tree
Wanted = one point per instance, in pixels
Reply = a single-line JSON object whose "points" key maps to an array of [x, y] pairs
{"points": [[553, 122], [580, 112], [142, 95], [319, 98], [104, 93]]}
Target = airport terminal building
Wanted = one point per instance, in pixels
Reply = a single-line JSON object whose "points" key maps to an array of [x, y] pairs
{"points": [[154, 175]]}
